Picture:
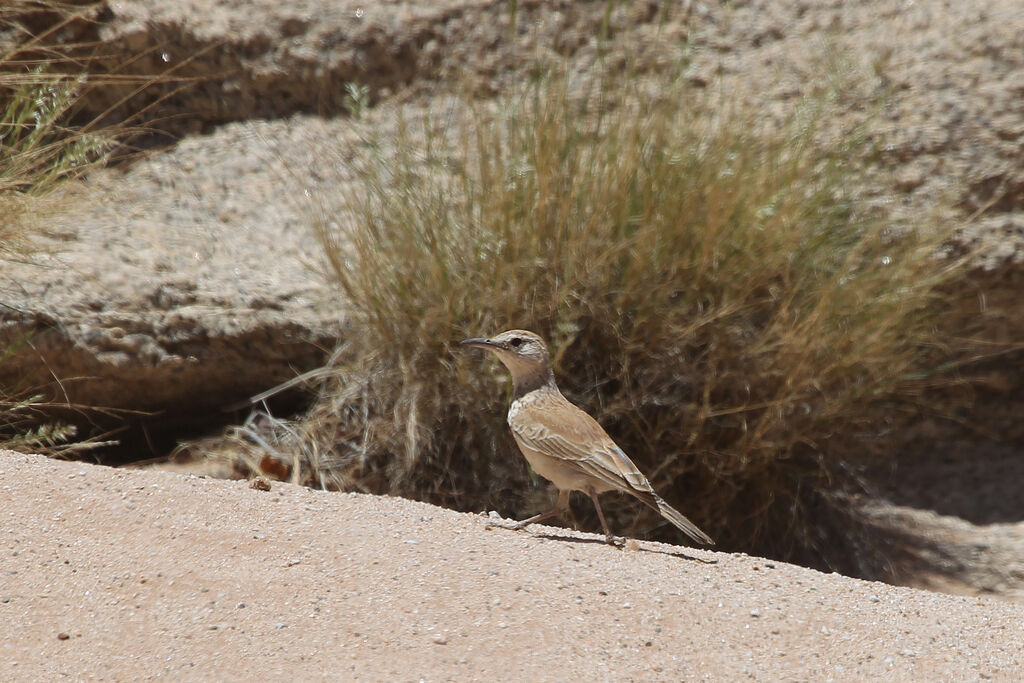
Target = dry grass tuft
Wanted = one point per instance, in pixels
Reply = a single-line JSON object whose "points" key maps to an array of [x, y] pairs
{"points": [[710, 288], [41, 147]]}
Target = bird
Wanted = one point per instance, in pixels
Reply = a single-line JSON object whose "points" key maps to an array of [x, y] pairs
{"points": [[562, 442]]}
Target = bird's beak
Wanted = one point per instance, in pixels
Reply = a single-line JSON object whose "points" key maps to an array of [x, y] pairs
{"points": [[481, 343]]}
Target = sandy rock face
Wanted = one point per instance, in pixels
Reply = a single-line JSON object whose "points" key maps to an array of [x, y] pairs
{"points": [[179, 284], [263, 59]]}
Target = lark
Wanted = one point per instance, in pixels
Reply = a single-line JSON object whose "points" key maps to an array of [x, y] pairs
{"points": [[563, 443]]}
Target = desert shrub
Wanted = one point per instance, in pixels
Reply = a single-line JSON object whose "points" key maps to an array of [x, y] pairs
{"points": [[709, 285], [40, 148]]}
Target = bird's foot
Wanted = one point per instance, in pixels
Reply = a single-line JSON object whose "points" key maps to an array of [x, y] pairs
{"points": [[617, 541], [496, 521], [499, 523]]}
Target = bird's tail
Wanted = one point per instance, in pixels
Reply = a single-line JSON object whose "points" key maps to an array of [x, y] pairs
{"points": [[681, 522]]}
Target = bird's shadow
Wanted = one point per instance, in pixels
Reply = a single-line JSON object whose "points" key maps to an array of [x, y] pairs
{"points": [[636, 544]]}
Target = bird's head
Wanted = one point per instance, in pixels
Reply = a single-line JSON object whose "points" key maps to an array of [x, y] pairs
{"points": [[523, 353]]}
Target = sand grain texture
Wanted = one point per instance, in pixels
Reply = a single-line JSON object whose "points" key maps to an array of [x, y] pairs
{"points": [[128, 574]]}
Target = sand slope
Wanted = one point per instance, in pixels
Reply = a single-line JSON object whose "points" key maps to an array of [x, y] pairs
{"points": [[126, 574]]}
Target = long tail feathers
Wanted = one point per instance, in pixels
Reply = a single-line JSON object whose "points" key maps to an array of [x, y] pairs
{"points": [[681, 522]]}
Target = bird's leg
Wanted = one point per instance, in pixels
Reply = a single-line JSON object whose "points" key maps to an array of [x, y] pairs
{"points": [[612, 540], [561, 505]]}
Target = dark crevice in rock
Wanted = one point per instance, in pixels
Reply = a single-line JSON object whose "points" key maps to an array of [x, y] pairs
{"points": [[155, 389], [156, 436], [232, 68]]}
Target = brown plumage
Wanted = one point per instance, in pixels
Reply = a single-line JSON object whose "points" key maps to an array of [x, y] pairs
{"points": [[564, 444]]}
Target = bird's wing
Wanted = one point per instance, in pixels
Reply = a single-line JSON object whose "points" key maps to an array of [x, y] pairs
{"points": [[566, 432]]}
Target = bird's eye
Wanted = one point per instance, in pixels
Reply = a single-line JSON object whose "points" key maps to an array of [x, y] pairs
{"points": [[516, 342]]}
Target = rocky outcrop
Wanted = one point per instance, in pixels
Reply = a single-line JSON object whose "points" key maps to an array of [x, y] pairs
{"points": [[175, 285]]}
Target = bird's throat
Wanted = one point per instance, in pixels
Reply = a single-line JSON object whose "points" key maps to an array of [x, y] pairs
{"points": [[525, 382]]}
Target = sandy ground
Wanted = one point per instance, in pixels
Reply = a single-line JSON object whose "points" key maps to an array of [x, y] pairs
{"points": [[127, 574]]}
